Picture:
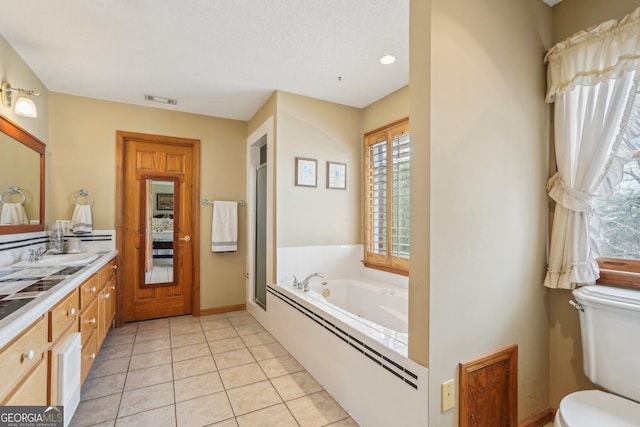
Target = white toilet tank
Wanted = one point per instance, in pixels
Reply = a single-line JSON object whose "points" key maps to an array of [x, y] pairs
{"points": [[610, 327]]}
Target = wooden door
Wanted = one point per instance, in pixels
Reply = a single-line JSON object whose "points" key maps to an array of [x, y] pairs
{"points": [[141, 158]]}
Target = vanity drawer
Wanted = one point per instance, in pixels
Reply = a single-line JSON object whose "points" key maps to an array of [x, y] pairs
{"points": [[62, 315], [89, 353], [108, 272], [88, 291], [22, 355], [88, 321]]}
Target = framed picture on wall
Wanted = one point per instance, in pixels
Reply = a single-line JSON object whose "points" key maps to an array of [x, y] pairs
{"points": [[164, 201], [306, 173], [337, 175]]}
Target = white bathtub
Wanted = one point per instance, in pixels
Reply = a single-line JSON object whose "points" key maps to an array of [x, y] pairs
{"points": [[354, 342], [379, 303]]}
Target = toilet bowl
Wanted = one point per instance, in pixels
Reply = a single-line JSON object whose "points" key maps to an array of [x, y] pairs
{"points": [[610, 327], [595, 408]]}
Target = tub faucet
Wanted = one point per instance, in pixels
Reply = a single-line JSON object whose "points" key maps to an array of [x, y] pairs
{"points": [[305, 283]]}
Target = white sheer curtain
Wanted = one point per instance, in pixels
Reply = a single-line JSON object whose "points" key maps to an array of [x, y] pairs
{"points": [[594, 79]]}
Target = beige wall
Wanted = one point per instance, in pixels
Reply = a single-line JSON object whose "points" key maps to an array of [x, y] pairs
{"points": [[565, 360], [324, 131], [392, 107], [489, 139], [83, 155]]}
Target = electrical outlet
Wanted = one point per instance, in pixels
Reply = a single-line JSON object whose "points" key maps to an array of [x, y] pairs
{"points": [[448, 395]]}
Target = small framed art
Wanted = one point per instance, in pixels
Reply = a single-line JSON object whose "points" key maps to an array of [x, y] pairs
{"points": [[337, 175], [306, 172]]}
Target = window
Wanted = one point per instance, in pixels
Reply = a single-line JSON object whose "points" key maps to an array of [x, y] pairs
{"points": [[619, 239], [387, 156]]}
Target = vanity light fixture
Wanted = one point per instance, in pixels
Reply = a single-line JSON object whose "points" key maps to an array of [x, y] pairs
{"points": [[387, 59], [24, 105]]}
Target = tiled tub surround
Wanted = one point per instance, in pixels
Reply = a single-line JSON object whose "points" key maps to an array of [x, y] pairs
{"points": [[28, 293], [362, 364]]}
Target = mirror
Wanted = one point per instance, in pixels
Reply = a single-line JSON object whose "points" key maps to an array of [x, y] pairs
{"points": [[21, 166], [160, 245]]}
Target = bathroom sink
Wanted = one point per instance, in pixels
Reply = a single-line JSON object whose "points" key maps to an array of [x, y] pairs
{"points": [[62, 259]]}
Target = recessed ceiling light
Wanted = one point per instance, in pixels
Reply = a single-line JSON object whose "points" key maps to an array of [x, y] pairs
{"points": [[387, 59], [160, 99]]}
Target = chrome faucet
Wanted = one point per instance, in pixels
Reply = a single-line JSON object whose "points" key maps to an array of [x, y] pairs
{"points": [[36, 255], [305, 283]]}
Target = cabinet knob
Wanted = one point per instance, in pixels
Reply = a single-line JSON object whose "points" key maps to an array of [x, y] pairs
{"points": [[92, 289], [92, 321], [115, 267], [72, 312], [92, 356], [113, 287], [29, 355], [107, 295]]}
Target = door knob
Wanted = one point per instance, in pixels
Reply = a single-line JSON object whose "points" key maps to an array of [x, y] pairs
{"points": [[186, 238]]}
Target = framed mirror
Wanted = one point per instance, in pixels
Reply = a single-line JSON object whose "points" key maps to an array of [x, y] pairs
{"points": [[160, 248], [21, 168]]}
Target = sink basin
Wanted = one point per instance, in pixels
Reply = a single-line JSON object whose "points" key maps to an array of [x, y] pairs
{"points": [[63, 259]]}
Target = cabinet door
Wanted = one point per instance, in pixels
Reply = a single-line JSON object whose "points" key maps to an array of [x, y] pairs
{"points": [[33, 391]]}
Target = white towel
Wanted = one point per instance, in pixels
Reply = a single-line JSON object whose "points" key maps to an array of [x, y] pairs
{"points": [[81, 222], [224, 228], [13, 214]]}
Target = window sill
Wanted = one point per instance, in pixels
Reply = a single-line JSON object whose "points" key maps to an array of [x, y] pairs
{"points": [[622, 279], [387, 268]]}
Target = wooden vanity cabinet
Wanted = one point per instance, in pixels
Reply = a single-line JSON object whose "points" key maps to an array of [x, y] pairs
{"points": [[23, 363]]}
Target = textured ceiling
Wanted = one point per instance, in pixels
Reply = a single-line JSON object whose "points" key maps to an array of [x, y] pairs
{"points": [[216, 57]]}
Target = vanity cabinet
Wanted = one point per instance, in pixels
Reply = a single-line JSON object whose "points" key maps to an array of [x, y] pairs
{"points": [[23, 363], [63, 319]]}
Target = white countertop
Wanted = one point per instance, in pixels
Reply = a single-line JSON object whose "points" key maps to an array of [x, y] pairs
{"points": [[16, 322]]}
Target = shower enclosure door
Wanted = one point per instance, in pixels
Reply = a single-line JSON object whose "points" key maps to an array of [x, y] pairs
{"points": [[260, 274]]}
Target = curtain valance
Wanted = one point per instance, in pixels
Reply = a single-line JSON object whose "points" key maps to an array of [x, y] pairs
{"points": [[601, 52]]}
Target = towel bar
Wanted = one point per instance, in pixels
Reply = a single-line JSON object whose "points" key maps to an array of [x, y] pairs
{"points": [[206, 202], [13, 190]]}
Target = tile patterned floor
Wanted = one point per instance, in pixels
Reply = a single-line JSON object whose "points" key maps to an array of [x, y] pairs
{"points": [[219, 370]]}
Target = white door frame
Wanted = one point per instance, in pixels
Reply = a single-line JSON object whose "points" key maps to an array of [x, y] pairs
{"points": [[253, 161]]}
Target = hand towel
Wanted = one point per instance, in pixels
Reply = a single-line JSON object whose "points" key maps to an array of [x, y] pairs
{"points": [[224, 227], [13, 214], [81, 222]]}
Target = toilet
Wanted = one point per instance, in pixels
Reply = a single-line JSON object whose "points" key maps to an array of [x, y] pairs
{"points": [[610, 328]]}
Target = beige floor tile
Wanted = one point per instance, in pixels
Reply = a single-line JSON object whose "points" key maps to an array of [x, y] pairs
{"points": [[215, 316], [151, 345], [233, 358], [296, 385], [115, 352], [152, 334], [184, 320], [198, 386], [121, 339], [219, 334], [95, 411], [160, 417], [277, 415], [215, 324], [253, 397], [231, 422], [204, 410], [190, 351], [238, 313], [146, 325], [147, 360], [348, 422], [103, 368], [187, 339], [318, 409], [252, 328], [145, 399], [227, 344], [103, 386], [148, 376], [241, 375], [280, 366], [258, 339], [243, 320], [129, 328], [186, 328], [268, 351], [192, 367]]}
